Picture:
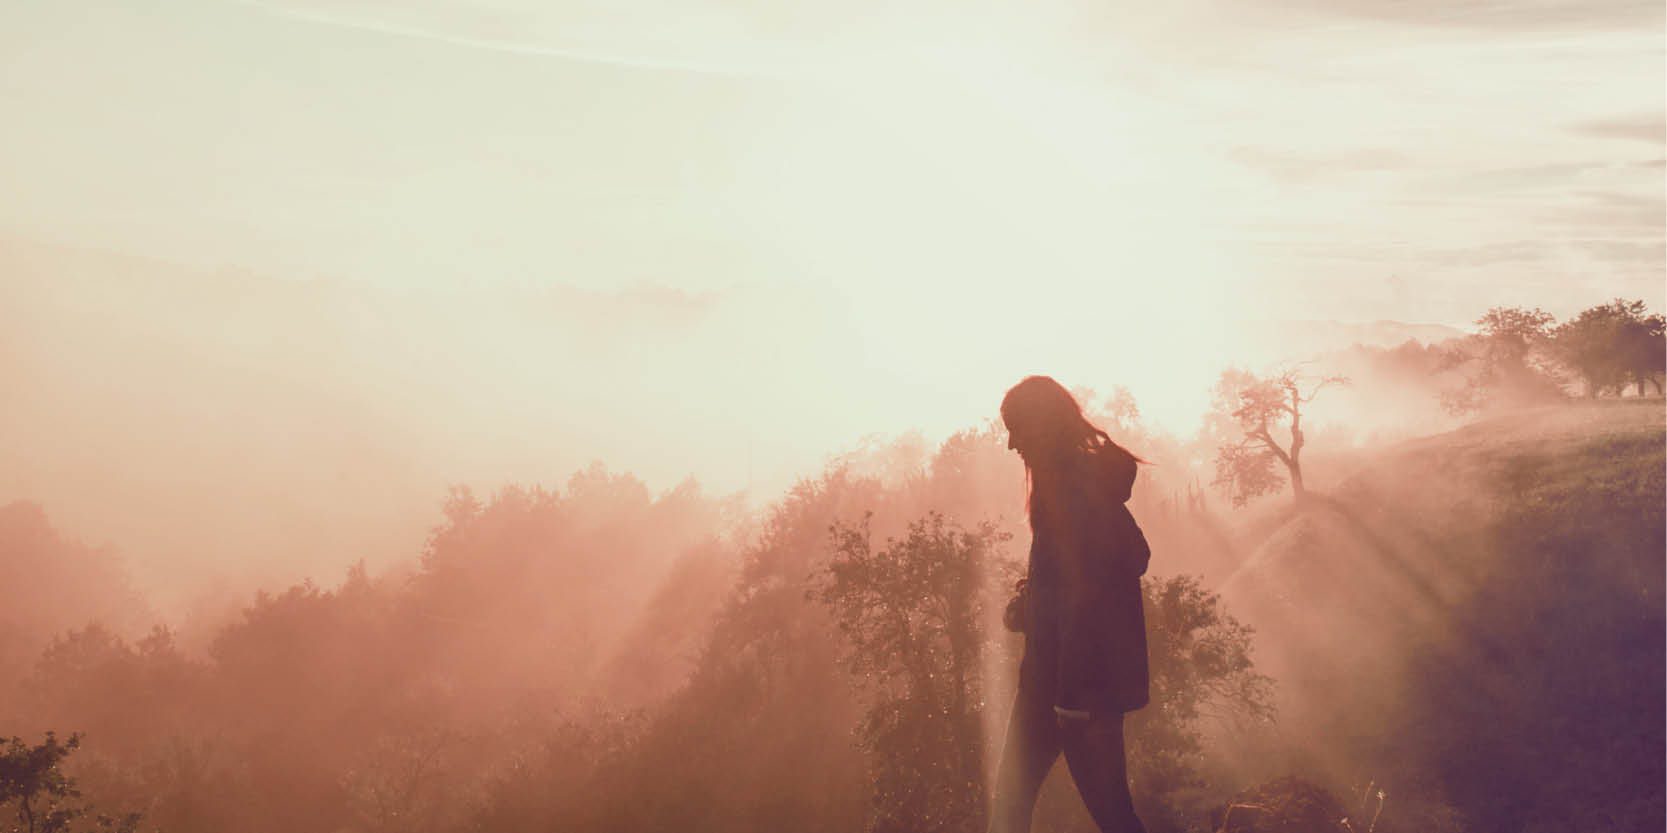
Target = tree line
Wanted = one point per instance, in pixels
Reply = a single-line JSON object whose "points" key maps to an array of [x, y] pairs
{"points": [[1517, 356], [601, 658]]}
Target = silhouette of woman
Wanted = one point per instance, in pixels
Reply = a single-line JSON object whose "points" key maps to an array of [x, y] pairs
{"points": [[1080, 609]]}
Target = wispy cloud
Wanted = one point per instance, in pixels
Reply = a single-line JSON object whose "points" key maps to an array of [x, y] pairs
{"points": [[498, 32], [1295, 167], [1636, 215], [1628, 252], [1496, 15], [1491, 254], [1644, 128]]}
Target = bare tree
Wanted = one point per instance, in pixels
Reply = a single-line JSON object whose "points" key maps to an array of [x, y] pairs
{"points": [[1262, 406]]}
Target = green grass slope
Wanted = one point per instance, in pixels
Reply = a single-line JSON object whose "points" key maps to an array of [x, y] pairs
{"points": [[1478, 618]]}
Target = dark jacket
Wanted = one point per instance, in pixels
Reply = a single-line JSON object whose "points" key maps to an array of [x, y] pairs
{"points": [[1085, 639]]}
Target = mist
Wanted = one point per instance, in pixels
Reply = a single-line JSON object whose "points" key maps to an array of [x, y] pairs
{"points": [[508, 416], [244, 428], [564, 638]]}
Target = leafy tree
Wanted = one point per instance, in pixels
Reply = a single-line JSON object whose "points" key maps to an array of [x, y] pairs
{"points": [[1201, 670], [911, 612], [1258, 407], [1612, 345], [1589, 342], [126, 695], [577, 775], [1511, 355], [975, 475], [86, 583], [1118, 412], [399, 783], [1644, 350], [577, 566], [759, 737], [1511, 334], [47, 800]]}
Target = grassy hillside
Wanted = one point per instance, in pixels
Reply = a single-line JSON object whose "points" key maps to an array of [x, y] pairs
{"points": [[1478, 617]]}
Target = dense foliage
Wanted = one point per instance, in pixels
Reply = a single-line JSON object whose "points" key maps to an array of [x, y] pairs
{"points": [[603, 658], [32, 781]]}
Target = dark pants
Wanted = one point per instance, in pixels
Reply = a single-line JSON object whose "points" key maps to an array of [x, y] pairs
{"points": [[1094, 753]]}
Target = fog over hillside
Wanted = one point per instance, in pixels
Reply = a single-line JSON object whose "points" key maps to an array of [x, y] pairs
{"points": [[514, 416], [231, 423]]}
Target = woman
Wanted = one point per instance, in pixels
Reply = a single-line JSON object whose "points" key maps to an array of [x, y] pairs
{"points": [[1085, 633]]}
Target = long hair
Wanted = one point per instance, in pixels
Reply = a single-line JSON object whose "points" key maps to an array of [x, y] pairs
{"points": [[1054, 420]]}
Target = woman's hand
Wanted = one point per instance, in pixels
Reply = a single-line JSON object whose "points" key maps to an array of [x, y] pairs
{"points": [[1015, 617], [1071, 718]]}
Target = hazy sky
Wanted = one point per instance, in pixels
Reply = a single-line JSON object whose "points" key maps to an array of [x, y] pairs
{"points": [[728, 238]]}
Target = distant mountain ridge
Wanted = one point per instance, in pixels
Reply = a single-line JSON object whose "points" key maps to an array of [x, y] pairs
{"points": [[1302, 339]]}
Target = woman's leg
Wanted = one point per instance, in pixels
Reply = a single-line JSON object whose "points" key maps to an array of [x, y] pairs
{"points": [[1031, 748], [1100, 769]]}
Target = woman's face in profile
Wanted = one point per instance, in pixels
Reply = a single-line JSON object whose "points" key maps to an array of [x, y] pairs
{"points": [[1034, 442], [1019, 436]]}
